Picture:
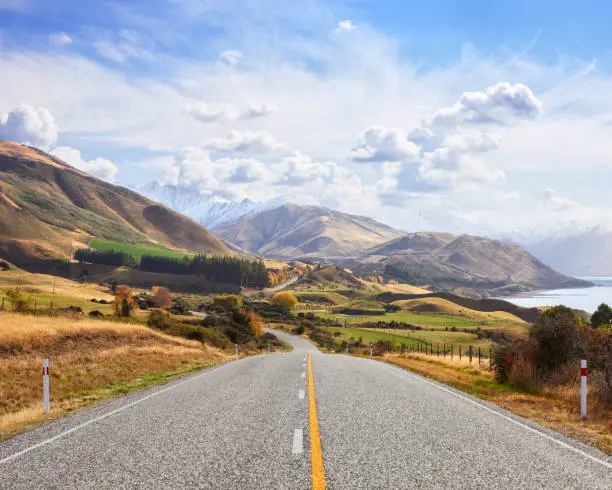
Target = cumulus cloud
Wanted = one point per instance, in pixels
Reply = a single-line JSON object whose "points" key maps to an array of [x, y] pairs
{"points": [[254, 142], [98, 167], [502, 103], [246, 171], [205, 112], [29, 125], [378, 144], [230, 57], [557, 202], [345, 26], [60, 39]]}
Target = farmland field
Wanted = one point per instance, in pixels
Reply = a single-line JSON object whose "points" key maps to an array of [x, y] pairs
{"points": [[137, 250], [424, 320], [465, 339], [373, 336]]}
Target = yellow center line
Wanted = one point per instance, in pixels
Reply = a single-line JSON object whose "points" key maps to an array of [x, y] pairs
{"points": [[316, 454]]}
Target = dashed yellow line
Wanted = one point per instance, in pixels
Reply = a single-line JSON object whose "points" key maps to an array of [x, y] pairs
{"points": [[316, 454]]}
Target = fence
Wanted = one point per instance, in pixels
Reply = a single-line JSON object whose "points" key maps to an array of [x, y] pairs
{"points": [[448, 351]]}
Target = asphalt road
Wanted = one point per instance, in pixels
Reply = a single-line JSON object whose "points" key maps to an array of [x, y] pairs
{"points": [[246, 425]]}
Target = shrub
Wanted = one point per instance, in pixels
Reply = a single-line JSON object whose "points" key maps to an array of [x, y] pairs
{"points": [[229, 302], [124, 303], [256, 324], [286, 299], [299, 330], [603, 316], [597, 348], [556, 335], [96, 314], [20, 302]]}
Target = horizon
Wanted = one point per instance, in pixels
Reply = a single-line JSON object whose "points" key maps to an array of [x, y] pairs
{"points": [[498, 130]]}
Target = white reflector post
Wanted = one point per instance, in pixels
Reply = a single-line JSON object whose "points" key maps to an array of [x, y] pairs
{"points": [[46, 385], [583, 389]]}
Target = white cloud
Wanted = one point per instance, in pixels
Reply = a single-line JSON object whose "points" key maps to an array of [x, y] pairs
{"points": [[558, 203], [345, 26], [245, 170], [255, 142], [205, 112], [502, 103], [13, 5], [98, 167], [377, 144], [298, 169], [60, 39], [230, 57], [127, 45], [29, 125]]}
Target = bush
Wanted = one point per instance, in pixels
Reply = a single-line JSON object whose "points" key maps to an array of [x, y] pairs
{"points": [[603, 316], [286, 299], [597, 348], [19, 301], [556, 335], [229, 302]]}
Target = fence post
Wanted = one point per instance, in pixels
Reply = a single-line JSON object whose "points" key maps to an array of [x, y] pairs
{"points": [[444, 351], [490, 358], [459, 351], [479, 356], [470, 354], [438, 350], [583, 389], [46, 385]]}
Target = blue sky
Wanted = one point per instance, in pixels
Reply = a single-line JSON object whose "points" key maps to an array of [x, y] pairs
{"points": [[318, 99]]}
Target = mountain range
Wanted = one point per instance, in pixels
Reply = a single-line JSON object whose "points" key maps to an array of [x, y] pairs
{"points": [[47, 208]]}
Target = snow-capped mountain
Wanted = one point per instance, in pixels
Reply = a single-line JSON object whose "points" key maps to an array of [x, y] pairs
{"points": [[209, 212]]}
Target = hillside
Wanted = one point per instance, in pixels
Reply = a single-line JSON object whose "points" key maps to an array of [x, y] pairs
{"points": [[47, 208], [447, 260], [292, 231]]}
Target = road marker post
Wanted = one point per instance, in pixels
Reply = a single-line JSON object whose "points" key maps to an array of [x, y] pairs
{"points": [[371, 349], [46, 385], [583, 389], [236, 351]]}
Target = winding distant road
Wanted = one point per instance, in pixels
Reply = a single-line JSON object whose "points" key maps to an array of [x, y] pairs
{"points": [[299, 420]]}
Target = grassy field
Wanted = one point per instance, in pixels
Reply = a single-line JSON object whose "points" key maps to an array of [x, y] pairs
{"points": [[44, 289], [421, 319], [90, 360], [443, 337], [372, 336], [137, 250]]}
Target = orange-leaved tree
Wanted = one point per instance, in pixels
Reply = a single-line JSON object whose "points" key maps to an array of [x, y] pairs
{"points": [[256, 323], [124, 303], [286, 299], [161, 297]]}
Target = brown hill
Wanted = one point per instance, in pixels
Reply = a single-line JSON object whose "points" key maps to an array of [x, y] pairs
{"points": [[293, 231], [48, 207]]}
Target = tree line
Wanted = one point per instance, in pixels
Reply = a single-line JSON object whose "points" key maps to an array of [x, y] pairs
{"points": [[230, 270]]}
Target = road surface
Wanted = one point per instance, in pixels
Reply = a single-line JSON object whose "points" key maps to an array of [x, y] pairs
{"points": [[249, 424], [291, 281]]}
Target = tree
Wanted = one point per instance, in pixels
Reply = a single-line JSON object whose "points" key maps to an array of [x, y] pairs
{"points": [[603, 316], [20, 302], [556, 334], [597, 348], [229, 302], [161, 297], [286, 299], [256, 323], [124, 303]]}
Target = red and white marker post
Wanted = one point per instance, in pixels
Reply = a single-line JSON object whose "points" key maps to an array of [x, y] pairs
{"points": [[371, 349], [46, 385], [583, 389]]}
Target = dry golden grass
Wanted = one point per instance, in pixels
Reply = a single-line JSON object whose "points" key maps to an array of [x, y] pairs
{"points": [[404, 288], [555, 407], [88, 359], [440, 305], [43, 283]]}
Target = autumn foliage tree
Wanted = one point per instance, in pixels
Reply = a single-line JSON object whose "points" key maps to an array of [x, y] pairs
{"points": [[286, 299], [256, 324], [161, 297], [124, 303]]}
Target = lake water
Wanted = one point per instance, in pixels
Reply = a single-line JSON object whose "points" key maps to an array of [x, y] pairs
{"points": [[587, 299]]}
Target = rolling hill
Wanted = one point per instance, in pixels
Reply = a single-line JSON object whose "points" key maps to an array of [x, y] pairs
{"points": [[469, 261], [47, 208], [293, 231]]}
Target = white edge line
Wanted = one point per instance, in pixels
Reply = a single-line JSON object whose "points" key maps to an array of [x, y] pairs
{"points": [[303, 375], [298, 441], [510, 419], [101, 417], [301, 394]]}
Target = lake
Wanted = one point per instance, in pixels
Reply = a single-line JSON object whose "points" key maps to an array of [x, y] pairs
{"points": [[587, 299]]}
